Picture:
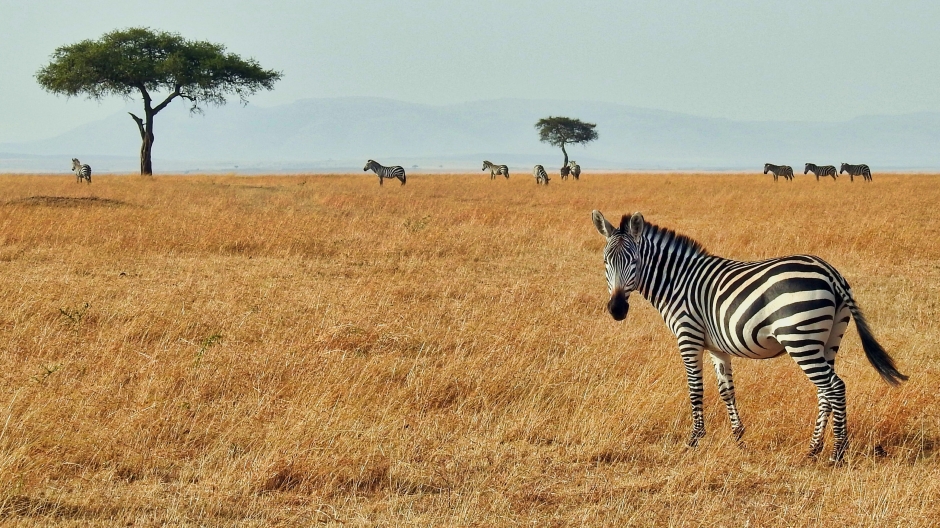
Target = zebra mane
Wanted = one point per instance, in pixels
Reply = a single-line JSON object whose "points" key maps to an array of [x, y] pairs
{"points": [[666, 236]]}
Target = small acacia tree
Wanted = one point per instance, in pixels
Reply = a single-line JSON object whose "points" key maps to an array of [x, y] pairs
{"points": [[139, 60], [561, 131]]}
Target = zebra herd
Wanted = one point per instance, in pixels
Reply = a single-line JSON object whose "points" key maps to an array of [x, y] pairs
{"points": [[541, 176], [797, 305], [786, 171]]}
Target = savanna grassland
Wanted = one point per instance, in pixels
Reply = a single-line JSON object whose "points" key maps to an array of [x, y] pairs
{"points": [[267, 350]]}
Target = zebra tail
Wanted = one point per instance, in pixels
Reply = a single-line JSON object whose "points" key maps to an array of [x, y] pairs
{"points": [[875, 353]]}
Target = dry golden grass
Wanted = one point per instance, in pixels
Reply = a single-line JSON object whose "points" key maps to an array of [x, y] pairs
{"points": [[256, 351]]}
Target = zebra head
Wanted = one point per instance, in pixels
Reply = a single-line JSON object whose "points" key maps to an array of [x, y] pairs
{"points": [[486, 165], [766, 167], [76, 164], [844, 167], [620, 259], [806, 169], [369, 165]]}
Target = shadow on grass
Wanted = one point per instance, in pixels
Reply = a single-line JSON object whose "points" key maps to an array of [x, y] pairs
{"points": [[67, 201]]}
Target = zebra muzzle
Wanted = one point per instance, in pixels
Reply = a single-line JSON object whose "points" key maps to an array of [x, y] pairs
{"points": [[618, 305]]}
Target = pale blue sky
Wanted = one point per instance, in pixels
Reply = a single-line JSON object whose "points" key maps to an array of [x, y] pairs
{"points": [[796, 60]]}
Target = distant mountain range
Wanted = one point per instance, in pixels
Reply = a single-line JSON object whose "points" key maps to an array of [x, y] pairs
{"points": [[340, 134]]}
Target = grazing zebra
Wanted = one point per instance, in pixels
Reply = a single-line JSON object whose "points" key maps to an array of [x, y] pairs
{"points": [[82, 171], [821, 170], [798, 305], [575, 169], [540, 175], [856, 170], [496, 169], [779, 170], [385, 172]]}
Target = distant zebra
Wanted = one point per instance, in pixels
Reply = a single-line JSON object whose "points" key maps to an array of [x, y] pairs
{"points": [[496, 169], [779, 170], [798, 305], [385, 172], [821, 170], [856, 170], [575, 169], [82, 171], [540, 175]]}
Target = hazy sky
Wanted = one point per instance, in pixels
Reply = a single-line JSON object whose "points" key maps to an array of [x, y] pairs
{"points": [[743, 60]]}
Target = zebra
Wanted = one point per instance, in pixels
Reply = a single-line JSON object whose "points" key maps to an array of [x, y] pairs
{"points": [[82, 171], [779, 170], [821, 170], [540, 175], [496, 169], [385, 172], [575, 169], [856, 170], [799, 305]]}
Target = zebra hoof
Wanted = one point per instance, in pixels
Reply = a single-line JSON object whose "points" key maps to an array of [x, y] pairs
{"points": [[814, 450], [696, 435], [838, 452], [737, 433]]}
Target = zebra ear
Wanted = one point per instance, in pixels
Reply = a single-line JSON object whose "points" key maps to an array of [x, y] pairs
{"points": [[636, 225], [603, 226]]}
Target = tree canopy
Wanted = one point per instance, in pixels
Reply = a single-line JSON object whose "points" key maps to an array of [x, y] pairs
{"points": [[561, 131], [140, 60]]}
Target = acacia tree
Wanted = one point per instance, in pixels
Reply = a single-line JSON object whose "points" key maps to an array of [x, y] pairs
{"points": [[561, 131], [154, 64]]}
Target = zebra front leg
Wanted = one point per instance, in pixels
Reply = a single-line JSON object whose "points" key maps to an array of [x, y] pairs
{"points": [[723, 374], [381, 180], [692, 358]]}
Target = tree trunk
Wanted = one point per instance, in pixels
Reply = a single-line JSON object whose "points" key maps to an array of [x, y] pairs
{"points": [[565, 169], [146, 146]]}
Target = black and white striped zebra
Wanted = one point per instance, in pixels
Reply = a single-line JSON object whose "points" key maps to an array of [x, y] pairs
{"points": [[82, 171], [541, 177], [496, 169], [798, 305], [856, 170], [385, 172], [779, 170], [821, 170], [575, 169]]}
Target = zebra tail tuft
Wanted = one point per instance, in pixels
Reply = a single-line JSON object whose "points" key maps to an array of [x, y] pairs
{"points": [[875, 353]]}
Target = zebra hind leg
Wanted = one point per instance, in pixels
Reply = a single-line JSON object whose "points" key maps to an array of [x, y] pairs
{"points": [[722, 363], [830, 391]]}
